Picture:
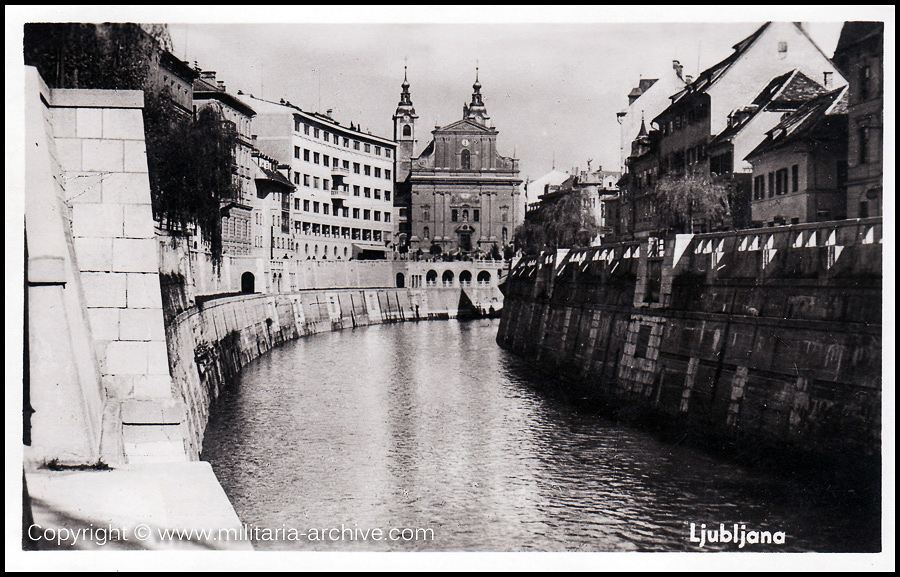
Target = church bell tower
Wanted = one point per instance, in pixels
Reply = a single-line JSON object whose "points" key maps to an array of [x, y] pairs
{"points": [[404, 131]]}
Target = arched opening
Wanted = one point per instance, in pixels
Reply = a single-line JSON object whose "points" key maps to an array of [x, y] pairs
{"points": [[484, 277], [465, 160], [447, 277], [465, 278], [426, 233], [401, 281], [407, 131], [431, 277], [248, 283]]}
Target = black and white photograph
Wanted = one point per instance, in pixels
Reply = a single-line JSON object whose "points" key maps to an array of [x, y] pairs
{"points": [[341, 283]]}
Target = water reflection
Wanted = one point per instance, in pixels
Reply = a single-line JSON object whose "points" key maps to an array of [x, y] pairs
{"points": [[432, 425]]}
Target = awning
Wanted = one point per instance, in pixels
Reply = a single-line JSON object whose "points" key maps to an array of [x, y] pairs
{"points": [[364, 250]]}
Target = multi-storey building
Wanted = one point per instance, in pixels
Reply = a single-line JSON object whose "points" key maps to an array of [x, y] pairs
{"points": [[237, 234], [274, 245], [701, 111], [463, 195], [860, 55], [343, 205], [800, 169]]}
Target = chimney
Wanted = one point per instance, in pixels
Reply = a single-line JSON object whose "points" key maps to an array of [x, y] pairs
{"points": [[329, 112], [676, 65], [688, 78], [220, 85], [208, 75]]}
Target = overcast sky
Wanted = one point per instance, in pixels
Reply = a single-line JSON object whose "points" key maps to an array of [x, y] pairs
{"points": [[552, 89]]}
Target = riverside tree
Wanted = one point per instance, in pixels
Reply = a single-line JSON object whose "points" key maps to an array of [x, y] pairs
{"points": [[691, 200], [567, 222]]}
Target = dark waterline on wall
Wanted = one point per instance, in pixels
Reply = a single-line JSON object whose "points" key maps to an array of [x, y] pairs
{"points": [[432, 426]]}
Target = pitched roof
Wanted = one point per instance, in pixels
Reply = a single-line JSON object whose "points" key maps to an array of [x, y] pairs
{"points": [[854, 32], [783, 93], [805, 121]]}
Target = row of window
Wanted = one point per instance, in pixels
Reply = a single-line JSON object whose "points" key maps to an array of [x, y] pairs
{"points": [[504, 234], [337, 140], [347, 233], [778, 183], [326, 209], [684, 120], [457, 215], [335, 163], [326, 184]]}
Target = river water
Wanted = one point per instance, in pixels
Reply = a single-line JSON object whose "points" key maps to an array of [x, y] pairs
{"points": [[432, 426]]}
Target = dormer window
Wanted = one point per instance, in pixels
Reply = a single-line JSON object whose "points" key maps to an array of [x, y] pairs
{"points": [[782, 47]]}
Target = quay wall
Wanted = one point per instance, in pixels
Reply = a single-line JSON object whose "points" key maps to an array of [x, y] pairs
{"points": [[766, 337]]}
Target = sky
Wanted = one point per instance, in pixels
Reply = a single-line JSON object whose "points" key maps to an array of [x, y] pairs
{"points": [[553, 77]]}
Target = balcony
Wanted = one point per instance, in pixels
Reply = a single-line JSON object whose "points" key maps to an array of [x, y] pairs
{"points": [[340, 192], [340, 171]]}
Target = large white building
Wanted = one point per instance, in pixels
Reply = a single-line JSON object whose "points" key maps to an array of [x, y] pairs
{"points": [[342, 205]]}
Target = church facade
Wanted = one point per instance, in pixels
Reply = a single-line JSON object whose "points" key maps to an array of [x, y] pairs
{"points": [[459, 193]]}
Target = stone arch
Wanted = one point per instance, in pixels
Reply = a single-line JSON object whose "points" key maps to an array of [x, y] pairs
{"points": [[465, 159], [248, 283], [407, 131], [431, 276], [465, 277], [484, 277], [401, 280], [447, 277]]}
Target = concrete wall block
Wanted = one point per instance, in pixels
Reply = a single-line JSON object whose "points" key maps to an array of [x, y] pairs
{"points": [[63, 121], [93, 254], [123, 123], [127, 357], [97, 220], [152, 412], [118, 387], [102, 155], [135, 255], [83, 186], [104, 323], [135, 159], [139, 221], [155, 387], [89, 123], [127, 188], [103, 289], [141, 325], [68, 153], [144, 291], [158, 357]]}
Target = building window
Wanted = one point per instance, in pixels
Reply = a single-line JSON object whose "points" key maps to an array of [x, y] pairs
{"points": [[355, 168], [465, 215], [326, 160], [795, 178], [377, 216], [863, 145], [306, 205], [865, 75], [325, 206], [305, 180], [316, 132], [377, 194], [504, 213], [387, 217], [863, 209], [782, 47], [367, 192], [759, 188], [378, 151], [387, 194], [465, 160], [475, 215], [325, 183], [407, 131], [781, 184], [426, 234], [387, 152], [368, 170], [315, 208], [771, 184], [426, 215], [306, 129], [355, 145], [377, 172], [454, 215], [315, 182], [296, 152], [387, 173], [327, 136], [316, 157], [504, 235], [306, 155], [296, 178], [368, 148], [355, 190], [346, 164], [367, 214], [355, 213]]}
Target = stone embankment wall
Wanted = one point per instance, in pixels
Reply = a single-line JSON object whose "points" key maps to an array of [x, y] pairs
{"points": [[767, 337], [209, 343]]}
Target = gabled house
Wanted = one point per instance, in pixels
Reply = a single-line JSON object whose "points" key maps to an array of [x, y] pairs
{"points": [[700, 111], [800, 168]]}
